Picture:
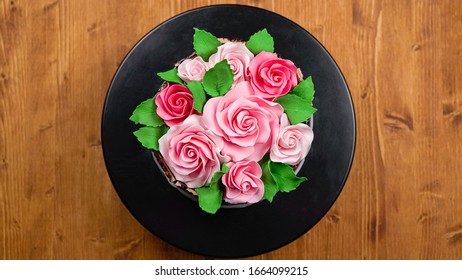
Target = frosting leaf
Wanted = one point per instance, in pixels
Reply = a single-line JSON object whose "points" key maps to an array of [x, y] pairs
{"points": [[205, 44], [285, 177], [298, 103], [295, 107], [305, 89], [218, 80], [260, 41], [149, 136], [198, 94], [210, 197], [171, 76], [145, 113], [278, 177], [271, 187]]}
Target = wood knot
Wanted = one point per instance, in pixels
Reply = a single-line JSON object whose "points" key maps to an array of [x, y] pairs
{"points": [[92, 27], [448, 109], [98, 239], [452, 113], [425, 218], [454, 235], [432, 186], [333, 218], [59, 235], [128, 251], [416, 47], [50, 6], [363, 94], [396, 121], [3, 163], [94, 143]]}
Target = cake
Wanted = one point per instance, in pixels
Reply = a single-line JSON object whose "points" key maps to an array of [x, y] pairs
{"points": [[230, 123]]}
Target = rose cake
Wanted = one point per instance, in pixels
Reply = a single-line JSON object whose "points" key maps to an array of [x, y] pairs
{"points": [[230, 122]]}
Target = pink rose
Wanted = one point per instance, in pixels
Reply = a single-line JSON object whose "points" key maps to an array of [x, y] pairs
{"points": [[292, 143], [191, 152], [174, 104], [272, 77], [246, 122], [192, 69], [238, 57], [242, 183]]}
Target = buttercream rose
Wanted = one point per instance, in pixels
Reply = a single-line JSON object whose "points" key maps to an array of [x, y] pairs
{"points": [[246, 122], [192, 69], [242, 183], [292, 143], [192, 152], [238, 57], [272, 77], [174, 104]]}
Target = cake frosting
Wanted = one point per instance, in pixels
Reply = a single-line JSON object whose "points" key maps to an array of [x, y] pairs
{"points": [[221, 125]]}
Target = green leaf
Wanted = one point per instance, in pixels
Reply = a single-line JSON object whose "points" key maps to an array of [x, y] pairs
{"points": [[224, 168], [298, 103], [271, 187], [145, 113], [305, 89], [311, 111], [260, 41], [210, 197], [198, 95], [218, 80], [297, 108], [171, 76], [149, 136], [285, 177], [205, 44]]}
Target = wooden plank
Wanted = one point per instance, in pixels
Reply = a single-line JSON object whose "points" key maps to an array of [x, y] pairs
{"points": [[401, 59]]}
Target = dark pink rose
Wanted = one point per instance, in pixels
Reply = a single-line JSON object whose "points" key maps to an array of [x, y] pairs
{"points": [[246, 122], [192, 69], [272, 77], [242, 183], [292, 143], [192, 152], [238, 57], [174, 104]]}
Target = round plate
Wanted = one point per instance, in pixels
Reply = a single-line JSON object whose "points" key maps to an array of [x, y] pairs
{"points": [[256, 229]]}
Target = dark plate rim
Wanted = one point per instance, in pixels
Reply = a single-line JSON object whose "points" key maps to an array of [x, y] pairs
{"points": [[124, 60]]}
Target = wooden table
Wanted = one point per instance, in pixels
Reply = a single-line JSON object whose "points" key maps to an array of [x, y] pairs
{"points": [[401, 59]]}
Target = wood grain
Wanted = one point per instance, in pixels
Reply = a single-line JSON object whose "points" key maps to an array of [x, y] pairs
{"points": [[401, 59]]}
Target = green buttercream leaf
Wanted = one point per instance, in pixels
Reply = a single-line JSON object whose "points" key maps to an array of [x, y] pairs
{"points": [[271, 187], [198, 94], [260, 41], [305, 89], [145, 113], [171, 76], [205, 44], [218, 80], [298, 103], [149, 136], [210, 197], [224, 168], [285, 177], [296, 108]]}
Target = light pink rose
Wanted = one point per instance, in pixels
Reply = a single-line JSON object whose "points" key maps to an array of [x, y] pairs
{"points": [[174, 104], [246, 122], [238, 57], [192, 69], [272, 77], [192, 152], [242, 183], [292, 143]]}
